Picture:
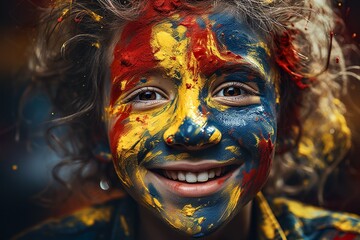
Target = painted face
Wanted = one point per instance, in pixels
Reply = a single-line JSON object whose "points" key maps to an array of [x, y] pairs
{"points": [[191, 118]]}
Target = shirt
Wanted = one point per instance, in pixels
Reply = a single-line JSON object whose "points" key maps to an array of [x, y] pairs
{"points": [[276, 219]]}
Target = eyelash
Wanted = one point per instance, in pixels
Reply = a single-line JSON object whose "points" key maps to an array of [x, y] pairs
{"points": [[132, 96], [243, 87], [246, 96]]}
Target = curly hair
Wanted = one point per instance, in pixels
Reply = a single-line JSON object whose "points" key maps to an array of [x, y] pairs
{"points": [[72, 58]]}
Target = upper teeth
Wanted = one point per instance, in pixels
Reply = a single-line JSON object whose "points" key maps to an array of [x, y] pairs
{"points": [[193, 177]]}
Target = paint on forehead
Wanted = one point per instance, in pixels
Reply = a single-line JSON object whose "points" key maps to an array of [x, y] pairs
{"points": [[209, 56], [130, 59], [133, 54], [166, 6], [241, 40], [200, 44]]}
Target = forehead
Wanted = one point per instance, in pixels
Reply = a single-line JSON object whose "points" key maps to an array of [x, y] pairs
{"points": [[210, 40]]}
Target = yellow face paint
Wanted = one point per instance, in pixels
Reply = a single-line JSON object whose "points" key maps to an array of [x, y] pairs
{"points": [[188, 139]]}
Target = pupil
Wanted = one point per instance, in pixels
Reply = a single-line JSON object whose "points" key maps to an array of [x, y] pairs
{"points": [[148, 95], [231, 91]]}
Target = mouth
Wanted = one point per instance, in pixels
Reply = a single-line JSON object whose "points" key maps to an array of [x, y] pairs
{"points": [[191, 177], [193, 180]]}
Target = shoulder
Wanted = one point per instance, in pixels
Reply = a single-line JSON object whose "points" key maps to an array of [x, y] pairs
{"points": [[90, 223], [303, 221]]}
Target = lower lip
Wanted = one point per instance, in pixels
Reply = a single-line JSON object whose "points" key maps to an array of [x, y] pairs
{"points": [[184, 189]]}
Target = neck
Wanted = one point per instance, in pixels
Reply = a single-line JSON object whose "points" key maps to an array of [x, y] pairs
{"points": [[152, 228]]}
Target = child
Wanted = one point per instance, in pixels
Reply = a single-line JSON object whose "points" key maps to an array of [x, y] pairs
{"points": [[198, 99]]}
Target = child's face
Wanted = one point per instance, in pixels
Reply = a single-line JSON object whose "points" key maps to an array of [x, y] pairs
{"points": [[192, 119]]}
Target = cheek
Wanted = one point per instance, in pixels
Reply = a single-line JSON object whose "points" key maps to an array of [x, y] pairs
{"points": [[253, 132], [131, 131], [256, 176], [246, 126]]}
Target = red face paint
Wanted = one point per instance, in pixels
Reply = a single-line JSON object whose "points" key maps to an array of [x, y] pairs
{"points": [[257, 177], [186, 50]]}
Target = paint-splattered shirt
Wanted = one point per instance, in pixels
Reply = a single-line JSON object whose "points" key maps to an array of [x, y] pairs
{"points": [[278, 218]]}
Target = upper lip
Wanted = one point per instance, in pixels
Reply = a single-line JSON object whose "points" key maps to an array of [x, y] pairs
{"points": [[193, 166]]}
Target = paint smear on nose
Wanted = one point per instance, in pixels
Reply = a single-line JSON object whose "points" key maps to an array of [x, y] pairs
{"points": [[187, 50]]}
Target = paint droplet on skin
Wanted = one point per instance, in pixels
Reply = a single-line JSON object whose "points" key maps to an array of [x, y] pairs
{"points": [[142, 120], [201, 220], [170, 140], [189, 210], [14, 167], [157, 203], [337, 60]]}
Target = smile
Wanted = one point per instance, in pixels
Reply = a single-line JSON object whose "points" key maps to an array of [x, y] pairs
{"points": [[191, 180], [194, 177]]}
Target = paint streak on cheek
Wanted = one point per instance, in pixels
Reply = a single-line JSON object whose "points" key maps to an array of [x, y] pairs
{"points": [[256, 177], [118, 128]]}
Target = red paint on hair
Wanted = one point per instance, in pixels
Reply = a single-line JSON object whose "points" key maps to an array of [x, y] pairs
{"points": [[287, 58]]}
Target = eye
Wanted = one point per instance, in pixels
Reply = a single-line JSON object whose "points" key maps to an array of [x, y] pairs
{"points": [[236, 94], [146, 97], [230, 92]]}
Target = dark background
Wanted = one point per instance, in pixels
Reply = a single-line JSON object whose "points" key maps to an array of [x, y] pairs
{"points": [[25, 167]]}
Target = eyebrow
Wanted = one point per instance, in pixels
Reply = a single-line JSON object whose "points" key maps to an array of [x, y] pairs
{"points": [[246, 66]]}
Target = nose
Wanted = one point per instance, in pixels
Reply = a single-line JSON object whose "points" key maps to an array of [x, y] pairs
{"points": [[192, 135]]}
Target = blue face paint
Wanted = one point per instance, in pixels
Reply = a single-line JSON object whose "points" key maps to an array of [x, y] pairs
{"points": [[201, 147]]}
